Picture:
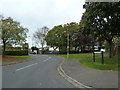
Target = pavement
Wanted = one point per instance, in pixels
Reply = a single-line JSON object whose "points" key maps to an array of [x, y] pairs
{"points": [[90, 77]]}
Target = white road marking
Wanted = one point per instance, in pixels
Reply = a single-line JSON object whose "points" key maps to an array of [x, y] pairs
{"points": [[26, 66], [47, 59], [31, 65]]}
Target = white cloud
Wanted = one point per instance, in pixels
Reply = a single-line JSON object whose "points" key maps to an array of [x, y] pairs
{"points": [[37, 13]]}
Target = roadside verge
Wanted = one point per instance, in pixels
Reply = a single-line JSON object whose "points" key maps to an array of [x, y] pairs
{"points": [[13, 60]]}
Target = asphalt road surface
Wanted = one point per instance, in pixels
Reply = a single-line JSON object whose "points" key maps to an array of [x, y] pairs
{"points": [[41, 72]]}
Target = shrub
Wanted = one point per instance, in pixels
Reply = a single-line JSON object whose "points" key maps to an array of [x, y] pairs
{"points": [[17, 53]]}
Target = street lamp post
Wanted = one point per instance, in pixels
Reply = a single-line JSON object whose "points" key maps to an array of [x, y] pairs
{"points": [[68, 45]]}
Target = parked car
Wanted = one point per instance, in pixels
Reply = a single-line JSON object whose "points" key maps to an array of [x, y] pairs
{"points": [[33, 53]]}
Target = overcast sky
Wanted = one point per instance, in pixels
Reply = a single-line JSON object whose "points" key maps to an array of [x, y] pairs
{"points": [[34, 14]]}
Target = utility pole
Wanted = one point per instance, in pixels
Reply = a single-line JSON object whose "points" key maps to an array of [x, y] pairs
{"points": [[68, 45]]}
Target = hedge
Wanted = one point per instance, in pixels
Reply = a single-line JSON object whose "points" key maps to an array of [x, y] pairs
{"points": [[17, 53]]}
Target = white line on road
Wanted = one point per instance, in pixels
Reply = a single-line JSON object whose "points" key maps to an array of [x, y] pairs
{"points": [[26, 66], [31, 65], [47, 59]]}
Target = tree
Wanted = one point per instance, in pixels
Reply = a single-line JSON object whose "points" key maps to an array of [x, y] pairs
{"points": [[71, 29], [12, 32], [39, 36], [34, 48], [25, 46], [82, 40], [102, 19], [57, 38]]}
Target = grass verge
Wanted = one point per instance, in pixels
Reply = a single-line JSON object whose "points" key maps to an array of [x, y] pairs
{"points": [[109, 63], [78, 56], [87, 60], [13, 58], [20, 56]]}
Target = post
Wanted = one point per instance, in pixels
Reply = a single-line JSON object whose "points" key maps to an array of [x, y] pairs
{"points": [[102, 57], [93, 55], [68, 46]]}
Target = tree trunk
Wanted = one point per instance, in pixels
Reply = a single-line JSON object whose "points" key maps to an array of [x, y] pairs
{"points": [[54, 48], [78, 49], [4, 47], [69, 46], [75, 48], [111, 49], [81, 49], [118, 52], [42, 49], [60, 49]]}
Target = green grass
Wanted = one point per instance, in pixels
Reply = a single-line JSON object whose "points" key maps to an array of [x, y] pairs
{"points": [[109, 64], [20, 56], [77, 56], [87, 60], [15, 50]]}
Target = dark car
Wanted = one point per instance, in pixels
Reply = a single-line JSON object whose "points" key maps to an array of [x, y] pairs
{"points": [[33, 53]]}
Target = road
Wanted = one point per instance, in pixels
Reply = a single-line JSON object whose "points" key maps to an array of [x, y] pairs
{"points": [[40, 72]]}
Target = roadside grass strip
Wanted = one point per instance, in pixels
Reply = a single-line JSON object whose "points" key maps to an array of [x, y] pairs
{"points": [[12, 58], [109, 63], [78, 56], [86, 59]]}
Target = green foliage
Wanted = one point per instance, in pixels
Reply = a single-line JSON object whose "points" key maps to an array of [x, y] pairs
{"points": [[116, 41], [12, 32], [57, 37], [72, 29], [101, 19], [34, 48], [25, 46], [16, 53]]}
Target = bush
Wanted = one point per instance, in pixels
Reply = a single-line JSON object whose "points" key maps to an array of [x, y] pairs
{"points": [[17, 53]]}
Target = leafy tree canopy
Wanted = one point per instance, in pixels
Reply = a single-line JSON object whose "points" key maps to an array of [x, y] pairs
{"points": [[12, 32]]}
